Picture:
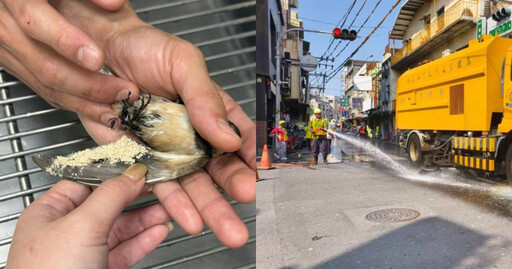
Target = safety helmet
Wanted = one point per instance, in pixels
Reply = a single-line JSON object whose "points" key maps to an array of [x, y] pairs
{"points": [[317, 110], [281, 122]]}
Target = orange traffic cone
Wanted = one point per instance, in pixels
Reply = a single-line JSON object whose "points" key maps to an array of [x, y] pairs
{"points": [[265, 160]]}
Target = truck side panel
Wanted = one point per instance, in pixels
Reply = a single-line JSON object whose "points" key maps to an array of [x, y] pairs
{"points": [[457, 92]]}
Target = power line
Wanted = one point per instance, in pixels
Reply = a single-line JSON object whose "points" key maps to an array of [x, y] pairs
{"points": [[332, 23], [352, 23], [345, 16], [324, 22], [348, 13], [358, 30], [333, 73]]}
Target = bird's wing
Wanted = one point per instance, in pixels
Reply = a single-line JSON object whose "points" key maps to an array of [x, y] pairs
{"points": [[92, 175], [166, 166], [161, 167]]}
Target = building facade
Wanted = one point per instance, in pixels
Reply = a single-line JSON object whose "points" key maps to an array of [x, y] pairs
{"points": [[270, 25], [424, 31], [387, 100], [358, 86], [291, 102], [431, 30]]}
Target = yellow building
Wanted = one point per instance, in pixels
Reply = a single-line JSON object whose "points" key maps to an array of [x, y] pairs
{"points": [[429, 30]]}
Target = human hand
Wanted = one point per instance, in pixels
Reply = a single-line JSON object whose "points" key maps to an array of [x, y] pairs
{"points": [[58, 60], [194, 198], [71, 227], [167, 66]]}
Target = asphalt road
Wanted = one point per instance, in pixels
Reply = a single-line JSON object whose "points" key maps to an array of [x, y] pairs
{"points": [[316, 217]]}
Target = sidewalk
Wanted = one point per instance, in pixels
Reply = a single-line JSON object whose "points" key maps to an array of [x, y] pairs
{"points": [[315, 217], [292, 157]]}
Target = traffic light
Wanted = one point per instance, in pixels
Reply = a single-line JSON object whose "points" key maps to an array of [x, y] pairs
{"points": [[501, 14], [344, 34]]}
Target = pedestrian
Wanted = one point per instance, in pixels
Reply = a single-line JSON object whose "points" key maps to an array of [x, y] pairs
{"points": [[332, 128], [362, 130], [307, 128], [319, 141], [281, 138]]}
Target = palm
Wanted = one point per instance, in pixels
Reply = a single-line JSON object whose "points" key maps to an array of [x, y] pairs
{"points": [[164, 65], [147, 58]]}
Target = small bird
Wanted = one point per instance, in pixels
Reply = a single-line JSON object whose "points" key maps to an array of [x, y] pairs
{"points": [[164, 126], [175, 148]]}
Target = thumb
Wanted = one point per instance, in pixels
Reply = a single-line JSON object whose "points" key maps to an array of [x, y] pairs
{"points": [[107, 202], [110, 5]]}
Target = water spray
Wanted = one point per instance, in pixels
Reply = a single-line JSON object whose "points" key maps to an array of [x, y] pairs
{"points": [[401, 170]]}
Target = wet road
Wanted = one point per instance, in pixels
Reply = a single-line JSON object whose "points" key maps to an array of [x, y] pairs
{"points": [[494, 194], [331, 216]]}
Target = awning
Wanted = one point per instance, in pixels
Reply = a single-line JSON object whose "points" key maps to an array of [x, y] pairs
{"points": [[374, 112], [404, 18]]}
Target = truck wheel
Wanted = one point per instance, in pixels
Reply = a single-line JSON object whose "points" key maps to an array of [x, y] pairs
{"points": [[415, 155], [508, 164]]}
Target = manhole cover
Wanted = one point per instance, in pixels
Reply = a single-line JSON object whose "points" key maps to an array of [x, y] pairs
{"points": [[391, 215]]}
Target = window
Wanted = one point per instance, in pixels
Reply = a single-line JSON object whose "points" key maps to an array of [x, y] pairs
{"points": [[510, 70], [440, 11], [457, 99], [273, 44], [502, 77]]}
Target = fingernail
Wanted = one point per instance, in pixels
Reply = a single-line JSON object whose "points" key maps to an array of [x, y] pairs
{"points": [[123, 94], [89, 58], [170, 226], [105, 119], [148, 187], [224, 126], [136, 171]]}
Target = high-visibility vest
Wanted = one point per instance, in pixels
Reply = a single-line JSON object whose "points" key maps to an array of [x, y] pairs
{"points": [[282, 136], [362, 130], [280, 133], [317, 126], [308, 131]]}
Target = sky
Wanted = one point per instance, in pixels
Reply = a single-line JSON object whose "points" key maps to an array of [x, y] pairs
{"points": [[326, 14]]}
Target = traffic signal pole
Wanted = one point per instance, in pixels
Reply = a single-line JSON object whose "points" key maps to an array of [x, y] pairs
{"points": [[278, 65]]}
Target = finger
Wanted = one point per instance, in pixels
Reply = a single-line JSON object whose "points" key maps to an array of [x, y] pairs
{"points": [[130, 252], [233, 176], [179, 206], [101, 113], [204, 106], [54, 71], [107, 202], [135, 222], [57, 202], [245, 125], [110, 5], [95, 111], [215, 210], [101, 133], [42, 22]]}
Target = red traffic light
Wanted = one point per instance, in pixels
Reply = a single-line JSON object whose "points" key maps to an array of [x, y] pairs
{"points": [[336, 32], [344, 34]]}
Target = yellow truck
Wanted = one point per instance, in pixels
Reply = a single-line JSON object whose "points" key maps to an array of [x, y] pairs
{"points": [[457, 110]]}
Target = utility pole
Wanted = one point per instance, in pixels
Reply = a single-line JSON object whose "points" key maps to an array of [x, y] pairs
{"points": [[278, 65], [324, 76]]}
